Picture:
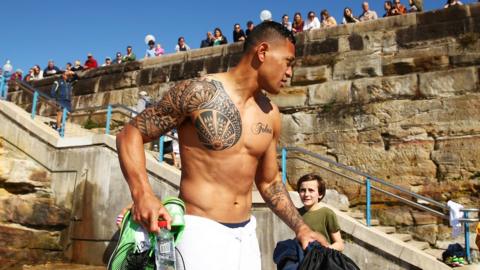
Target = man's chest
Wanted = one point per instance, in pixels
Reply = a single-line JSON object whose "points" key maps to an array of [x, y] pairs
{"points": [[248, 128]]}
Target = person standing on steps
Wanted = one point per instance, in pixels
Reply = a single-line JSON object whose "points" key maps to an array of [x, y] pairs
{"points": [[228, 132]]}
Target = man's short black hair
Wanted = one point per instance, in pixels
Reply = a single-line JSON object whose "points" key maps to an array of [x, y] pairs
{"points": [[267, 31]]}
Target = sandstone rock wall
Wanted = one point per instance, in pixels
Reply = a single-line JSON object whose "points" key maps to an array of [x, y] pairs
{"points": [[32, 226], [398, 98]]}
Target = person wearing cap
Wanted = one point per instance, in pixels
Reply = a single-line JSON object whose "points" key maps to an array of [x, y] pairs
{"points": [[118, 58], [250, 27], [130, 56], [151, 49], [17, 75], [61, 91], [143, 101], [91, 62], [77, 66], [51, 69], [108, 61], [37, 73]]}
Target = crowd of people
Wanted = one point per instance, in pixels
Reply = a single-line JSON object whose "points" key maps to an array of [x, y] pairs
{"points": [[216, 37]]}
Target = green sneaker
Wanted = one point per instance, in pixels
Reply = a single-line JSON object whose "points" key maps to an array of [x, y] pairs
{"points": [[176, 209], [135, 249]]}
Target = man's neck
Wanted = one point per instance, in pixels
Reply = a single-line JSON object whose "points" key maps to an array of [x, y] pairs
{"points": [[243, 80]]}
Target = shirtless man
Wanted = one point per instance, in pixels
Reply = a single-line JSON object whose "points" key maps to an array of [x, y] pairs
{"points": [[228, 131]]}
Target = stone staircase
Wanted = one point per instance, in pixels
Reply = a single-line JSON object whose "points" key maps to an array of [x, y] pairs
{"points": [[391, 231], [74, 130]]}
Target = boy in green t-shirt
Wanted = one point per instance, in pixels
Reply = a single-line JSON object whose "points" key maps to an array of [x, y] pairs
{"points": [[311, 189]]}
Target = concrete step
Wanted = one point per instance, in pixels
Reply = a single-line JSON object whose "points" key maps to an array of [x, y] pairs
{"points": [[402, 236], [356, 214], [419, 244], [437, 253], [373, 222], [386, 229]]}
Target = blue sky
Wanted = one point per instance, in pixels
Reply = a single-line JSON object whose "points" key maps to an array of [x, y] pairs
{"points": [[35, 31]]}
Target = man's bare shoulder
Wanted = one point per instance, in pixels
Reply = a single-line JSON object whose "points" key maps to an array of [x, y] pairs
{"points": [[187, 96], [266, 105]]}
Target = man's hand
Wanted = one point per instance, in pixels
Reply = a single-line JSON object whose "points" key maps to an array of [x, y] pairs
{"points": [[147, 210], [305, 236]]}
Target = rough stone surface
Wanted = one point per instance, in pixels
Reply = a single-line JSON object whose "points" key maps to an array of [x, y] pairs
{"points": [[309, 75], [330, 93], [333, 198], [447, 83], [290, 97], [31, 225], [387, 88], [394, 217], [358, 66]]}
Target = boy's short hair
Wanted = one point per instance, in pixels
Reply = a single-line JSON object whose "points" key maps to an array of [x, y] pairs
{"points": [[267, 31], [313, 177]]}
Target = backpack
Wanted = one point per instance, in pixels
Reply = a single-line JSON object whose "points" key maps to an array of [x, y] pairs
{"points": [[318, 258]]}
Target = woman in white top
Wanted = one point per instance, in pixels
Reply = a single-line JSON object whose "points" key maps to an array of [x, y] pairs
{"points": [[312, 22]]}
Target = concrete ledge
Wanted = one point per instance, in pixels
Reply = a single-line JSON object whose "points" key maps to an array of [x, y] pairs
{"points": [[387, 243]]}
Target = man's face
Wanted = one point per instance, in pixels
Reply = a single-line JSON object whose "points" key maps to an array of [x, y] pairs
{"points": [[276, 68], [181, 41], [311, 16], [285, 19], [397, 3], [365, 7], [129, 50], [237, 28], [308, 192], [50, 64]]}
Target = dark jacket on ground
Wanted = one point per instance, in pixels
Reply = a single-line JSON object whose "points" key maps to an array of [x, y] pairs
{"points": [[288, 255]]}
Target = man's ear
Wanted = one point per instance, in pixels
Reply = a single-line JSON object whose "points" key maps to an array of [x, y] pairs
{"points": [[262, 51]]}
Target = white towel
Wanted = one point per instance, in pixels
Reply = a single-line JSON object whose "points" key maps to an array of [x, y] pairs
{"points": [[455, 213]]}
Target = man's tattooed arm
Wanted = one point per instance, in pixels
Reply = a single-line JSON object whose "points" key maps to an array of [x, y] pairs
{"points": [[277, 199]]}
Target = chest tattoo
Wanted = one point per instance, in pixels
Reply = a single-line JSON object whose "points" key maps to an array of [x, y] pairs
{"points": [[218, 122], [260, 127]]}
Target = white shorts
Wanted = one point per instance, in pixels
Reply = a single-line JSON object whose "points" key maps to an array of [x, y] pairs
{"points": [[209, 245]]}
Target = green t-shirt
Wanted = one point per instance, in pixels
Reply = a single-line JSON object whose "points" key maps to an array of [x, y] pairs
{"points": [[322, 220]]}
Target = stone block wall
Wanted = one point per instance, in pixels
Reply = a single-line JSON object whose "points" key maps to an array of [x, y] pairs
{"points": [[398, 98], [32, 224]]}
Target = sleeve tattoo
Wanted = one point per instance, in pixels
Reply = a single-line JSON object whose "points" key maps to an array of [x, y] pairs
{"points": [[277, 199]]}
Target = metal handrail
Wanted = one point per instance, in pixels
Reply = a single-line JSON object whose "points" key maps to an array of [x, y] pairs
{"points": [[26, 87], [378, 180], [409, 202]]}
